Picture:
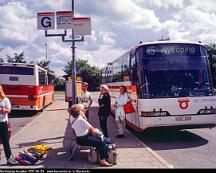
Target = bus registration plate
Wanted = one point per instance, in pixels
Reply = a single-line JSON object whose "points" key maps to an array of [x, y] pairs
{"points": [[183, 118]]}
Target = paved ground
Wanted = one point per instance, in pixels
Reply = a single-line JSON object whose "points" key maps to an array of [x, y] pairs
{"points": [[57, 133]]}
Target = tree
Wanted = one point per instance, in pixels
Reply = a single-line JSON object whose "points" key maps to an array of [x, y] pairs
{"points": [[59, 84], [89, 74], [44, 64], [18, 58], [1, 60], [212, 59]]}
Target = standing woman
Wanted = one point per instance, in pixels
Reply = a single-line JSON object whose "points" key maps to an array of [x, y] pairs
{"points": [[5, 108], [104, 102], [121, 100]]}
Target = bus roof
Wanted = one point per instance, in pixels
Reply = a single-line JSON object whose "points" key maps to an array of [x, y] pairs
{"points": [[169, 42]]}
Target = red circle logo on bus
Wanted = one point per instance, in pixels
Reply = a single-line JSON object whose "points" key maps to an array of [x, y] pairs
{"points": [[183, 103]]}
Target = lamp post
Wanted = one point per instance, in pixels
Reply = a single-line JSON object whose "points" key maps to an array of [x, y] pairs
{"points": [[46, 50], [73, 63]]}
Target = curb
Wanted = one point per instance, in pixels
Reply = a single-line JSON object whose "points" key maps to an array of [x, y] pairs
{"points": [[27, 126], [159, 158], [153, 153]]}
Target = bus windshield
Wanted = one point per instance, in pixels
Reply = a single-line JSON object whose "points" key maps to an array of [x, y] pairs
{"points": [[173, 70]]}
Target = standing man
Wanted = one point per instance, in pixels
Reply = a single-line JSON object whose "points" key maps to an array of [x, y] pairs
{"points": [[86, 98]]}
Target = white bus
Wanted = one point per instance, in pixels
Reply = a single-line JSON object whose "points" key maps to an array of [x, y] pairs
{"points": [[29, 87], [170, 82]]}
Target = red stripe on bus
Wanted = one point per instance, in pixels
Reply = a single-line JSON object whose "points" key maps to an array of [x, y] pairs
{"points": [[118, 87], [27, 89], [133, 126], [134, 88]]}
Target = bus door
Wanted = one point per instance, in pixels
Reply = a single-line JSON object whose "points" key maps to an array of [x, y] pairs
{"points": [[134, 118]]}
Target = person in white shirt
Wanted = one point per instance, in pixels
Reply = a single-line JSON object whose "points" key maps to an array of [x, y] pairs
{"points": [[5, 108], [120, 101], [85, 134], [86, 98]]}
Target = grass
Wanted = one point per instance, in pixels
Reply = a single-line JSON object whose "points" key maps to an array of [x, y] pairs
{"points": [[59, 92]]}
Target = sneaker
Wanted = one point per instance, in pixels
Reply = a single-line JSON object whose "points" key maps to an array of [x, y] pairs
{"points": [[12, 161]]}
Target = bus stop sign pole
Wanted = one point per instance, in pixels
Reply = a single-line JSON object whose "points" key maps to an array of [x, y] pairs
{"points": [[73, 64], [80, 26]]}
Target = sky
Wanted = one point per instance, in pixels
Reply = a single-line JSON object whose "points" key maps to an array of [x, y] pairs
{"points": [[117, 25]]}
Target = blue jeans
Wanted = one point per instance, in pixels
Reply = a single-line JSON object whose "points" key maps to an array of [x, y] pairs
{"points": [[94, 142]]}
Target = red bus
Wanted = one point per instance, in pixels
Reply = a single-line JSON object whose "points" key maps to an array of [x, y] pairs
{"points": [[28, 86]]}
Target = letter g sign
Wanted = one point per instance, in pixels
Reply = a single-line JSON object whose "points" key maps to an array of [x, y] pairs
{"points": [[46, 21]]}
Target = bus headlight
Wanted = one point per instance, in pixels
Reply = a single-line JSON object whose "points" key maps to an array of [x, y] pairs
{"points": [[154, 114]]}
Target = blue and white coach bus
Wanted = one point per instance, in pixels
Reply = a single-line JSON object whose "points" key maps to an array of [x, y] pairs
{"points": [[170, 82]]}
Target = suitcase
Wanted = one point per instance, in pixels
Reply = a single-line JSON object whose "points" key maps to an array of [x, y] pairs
{"points": [[94, 157], [112, 156]]}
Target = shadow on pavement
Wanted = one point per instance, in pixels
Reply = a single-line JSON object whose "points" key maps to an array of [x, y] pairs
{"points": [[158, 139], [18, 114], [49, 110], [42, 141]]}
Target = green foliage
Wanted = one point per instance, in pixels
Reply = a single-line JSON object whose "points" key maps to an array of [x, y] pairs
{"points": [[88, 73], [17, 58], [1, 60], [212, 59], [44, 64], [59, 84]]}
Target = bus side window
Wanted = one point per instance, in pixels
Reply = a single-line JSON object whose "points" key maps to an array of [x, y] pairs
{"points": [[50, 79], [133, 71], [42, 77]]}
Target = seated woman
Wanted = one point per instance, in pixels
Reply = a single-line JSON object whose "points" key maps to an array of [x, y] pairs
{"points": [[85, 134]]}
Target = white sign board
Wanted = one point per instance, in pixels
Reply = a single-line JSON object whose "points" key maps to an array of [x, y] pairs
{"points": [[64, 19], [82, 26], [46, 21]]}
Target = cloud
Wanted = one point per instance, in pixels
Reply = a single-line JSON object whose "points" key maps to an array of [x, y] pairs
{"points": [[166, 4], [120, 12], [17, 24]]}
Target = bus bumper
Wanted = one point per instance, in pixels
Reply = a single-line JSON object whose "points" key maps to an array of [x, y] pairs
{"points": [[21, 107], [181, 122]]}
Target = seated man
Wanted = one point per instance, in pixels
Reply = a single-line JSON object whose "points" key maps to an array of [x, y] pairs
{"points": [[86, 134]]}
